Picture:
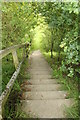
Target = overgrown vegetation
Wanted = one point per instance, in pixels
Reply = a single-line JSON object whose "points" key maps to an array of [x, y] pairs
{"points": [[8, 67], [68, 84], [52, 27], [62, 21], [12, 109]]}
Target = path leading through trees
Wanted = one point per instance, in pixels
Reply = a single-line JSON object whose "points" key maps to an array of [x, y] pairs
{"points": [[43, 97]]}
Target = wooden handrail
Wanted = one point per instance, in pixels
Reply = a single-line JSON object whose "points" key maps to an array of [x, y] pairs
{"points": [[6, 51], [12, 50], [3, 53]]}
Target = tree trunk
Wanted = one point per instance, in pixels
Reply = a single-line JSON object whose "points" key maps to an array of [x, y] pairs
{"points": [[52, 43], [52, 50]]}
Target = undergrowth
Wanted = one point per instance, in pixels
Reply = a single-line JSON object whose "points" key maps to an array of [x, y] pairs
{"points": [[12, 108], [7, 70], [69, 84], [8, 67]]}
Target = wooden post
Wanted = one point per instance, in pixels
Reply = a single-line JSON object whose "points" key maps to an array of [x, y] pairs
{"points": [[6, 92], [24, 51], [15, 58]]}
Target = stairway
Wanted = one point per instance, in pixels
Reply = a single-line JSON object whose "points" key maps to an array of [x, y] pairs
{"points": [[43, 97]]}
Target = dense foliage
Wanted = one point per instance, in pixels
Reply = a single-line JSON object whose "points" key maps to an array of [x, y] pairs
{"points": [[52, 27], [17, 21], [62, 20]]}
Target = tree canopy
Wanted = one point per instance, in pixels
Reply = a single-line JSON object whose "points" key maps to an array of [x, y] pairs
{"points": [[52, 27], [55, 24]]}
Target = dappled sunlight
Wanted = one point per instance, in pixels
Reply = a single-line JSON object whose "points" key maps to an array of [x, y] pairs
{"points": [[36, 53], [39, 33], [36, 28], [55, 54]]}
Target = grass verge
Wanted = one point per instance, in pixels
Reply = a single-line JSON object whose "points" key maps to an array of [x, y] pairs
{"points": [[13, 104], [67, 83]]}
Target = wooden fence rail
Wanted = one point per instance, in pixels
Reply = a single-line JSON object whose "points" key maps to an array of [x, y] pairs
{"points": [[3, 53]]}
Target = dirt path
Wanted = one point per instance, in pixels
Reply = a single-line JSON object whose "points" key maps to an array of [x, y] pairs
{"points": [[44, 99]]}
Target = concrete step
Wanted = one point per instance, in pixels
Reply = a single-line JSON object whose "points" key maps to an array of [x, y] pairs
{"points": [[45, 95], [46, 108], [42, 81], [39, 68], [41, 76], [40, 63], [42, 96], [49, 87], [42, 72]]}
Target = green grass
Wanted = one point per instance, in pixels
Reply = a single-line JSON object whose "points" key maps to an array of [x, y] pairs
{"points": [[7, 70], [12, 107], [13, 103], [8, 67], [73, 111], [68, 84]]}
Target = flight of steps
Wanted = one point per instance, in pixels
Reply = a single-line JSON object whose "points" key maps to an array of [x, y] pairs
{"points": [[43, 97]]}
